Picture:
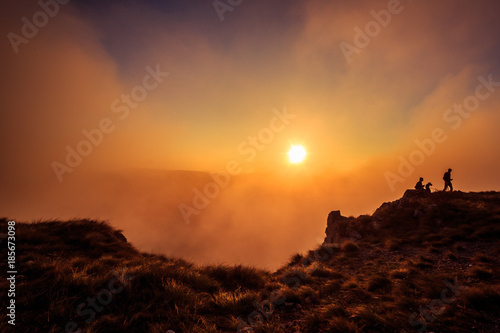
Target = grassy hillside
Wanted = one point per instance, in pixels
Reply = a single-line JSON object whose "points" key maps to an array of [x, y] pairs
{"points": [[428, 263]]}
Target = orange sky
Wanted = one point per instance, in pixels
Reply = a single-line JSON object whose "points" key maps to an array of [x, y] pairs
{"points": [[358, 116]]}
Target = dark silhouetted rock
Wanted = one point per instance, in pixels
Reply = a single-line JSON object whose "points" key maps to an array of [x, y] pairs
{"points": [[414, 194], [338, 229]]}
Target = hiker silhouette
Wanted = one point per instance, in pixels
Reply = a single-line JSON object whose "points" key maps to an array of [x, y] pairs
{"points": [[447, 180], [419, 186], [428, 187]]}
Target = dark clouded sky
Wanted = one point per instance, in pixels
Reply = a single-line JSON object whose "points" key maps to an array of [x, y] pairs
{"points": [[379, 92]]}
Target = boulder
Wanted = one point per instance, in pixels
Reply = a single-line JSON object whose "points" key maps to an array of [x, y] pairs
{"points": [[414, 194], [338, 230]]}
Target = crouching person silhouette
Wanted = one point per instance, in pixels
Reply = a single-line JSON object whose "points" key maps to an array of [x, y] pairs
{"points": [[419, 186], [428, 187]]}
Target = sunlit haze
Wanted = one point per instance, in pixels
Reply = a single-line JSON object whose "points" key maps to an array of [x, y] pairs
{"points": [[227, 134]]}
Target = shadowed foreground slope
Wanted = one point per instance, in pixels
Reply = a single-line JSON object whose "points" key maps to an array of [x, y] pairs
{"points": [[428, 263]]}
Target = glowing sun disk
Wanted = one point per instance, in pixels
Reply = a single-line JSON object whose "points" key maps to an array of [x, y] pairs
{"points": [[296, 154]]}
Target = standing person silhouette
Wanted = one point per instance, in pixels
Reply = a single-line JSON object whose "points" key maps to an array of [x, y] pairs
{"points": [[447, 180]]}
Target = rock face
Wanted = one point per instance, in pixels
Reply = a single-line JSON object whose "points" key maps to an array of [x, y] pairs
{"points": [[338, 230], [419, 214], [415, 194]]}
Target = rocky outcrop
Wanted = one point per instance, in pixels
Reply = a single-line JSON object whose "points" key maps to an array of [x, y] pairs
{"points": [[338, 229], [415, 194], [416, 215]]}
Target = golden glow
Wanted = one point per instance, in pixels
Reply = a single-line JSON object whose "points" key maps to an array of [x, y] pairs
{"points": [[296, 154]]}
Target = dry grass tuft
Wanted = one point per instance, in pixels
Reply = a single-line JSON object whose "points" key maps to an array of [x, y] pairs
{"points": [[349, 247]]}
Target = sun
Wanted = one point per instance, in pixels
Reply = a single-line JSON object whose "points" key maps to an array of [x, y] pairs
{"points": [[296, 154]]}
